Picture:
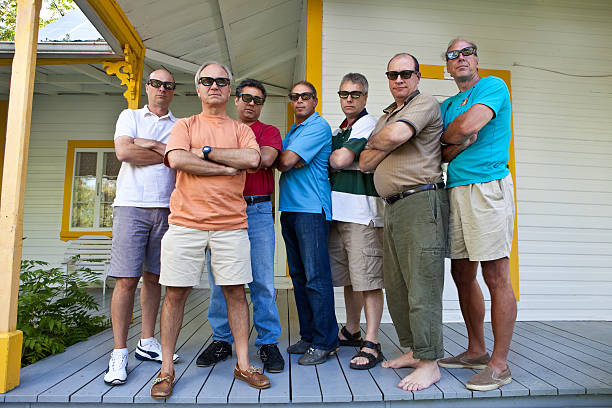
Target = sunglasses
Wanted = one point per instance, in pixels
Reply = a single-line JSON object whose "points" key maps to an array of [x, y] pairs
{"points": [[156, 83], [354, 94], [305, 96], [208, 81], [405, 74], [247, 98], [466, 52]]}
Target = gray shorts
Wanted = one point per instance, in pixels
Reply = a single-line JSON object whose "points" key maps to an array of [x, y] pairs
{"points": [[137, 234]]}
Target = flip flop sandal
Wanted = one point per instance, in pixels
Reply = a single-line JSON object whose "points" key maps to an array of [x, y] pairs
{"points": [[372, 359], [352, 340]]}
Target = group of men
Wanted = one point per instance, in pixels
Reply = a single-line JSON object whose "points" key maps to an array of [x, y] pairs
{"points": [[363, 208]]}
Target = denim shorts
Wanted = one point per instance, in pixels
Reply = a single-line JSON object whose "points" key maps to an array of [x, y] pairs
{"points": [[137, 234]]}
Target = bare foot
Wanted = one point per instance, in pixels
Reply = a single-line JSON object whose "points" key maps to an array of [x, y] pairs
{"points": [[426, 374], [363, 360], [405, 360]]}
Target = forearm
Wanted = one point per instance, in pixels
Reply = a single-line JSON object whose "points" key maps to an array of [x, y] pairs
{"points": [[190, 163], [369, 159], [391, 137], [341, 158], [449, 152], [454, 135], [138, 155], [153, 145], [237, 158]]}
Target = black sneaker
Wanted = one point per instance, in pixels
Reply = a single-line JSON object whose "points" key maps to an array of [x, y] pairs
{"points": [[217, 351], [271, 358]]}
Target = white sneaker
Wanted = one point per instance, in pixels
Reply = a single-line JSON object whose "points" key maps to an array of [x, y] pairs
{"points": [[116, 374], [151, 351]]}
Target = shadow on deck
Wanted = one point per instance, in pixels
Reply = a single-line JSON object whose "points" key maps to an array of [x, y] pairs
{"points": [[552, 363]]}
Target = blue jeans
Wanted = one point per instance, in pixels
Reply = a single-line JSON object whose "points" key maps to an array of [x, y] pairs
{"points": [[265, 312], [305, 237]]}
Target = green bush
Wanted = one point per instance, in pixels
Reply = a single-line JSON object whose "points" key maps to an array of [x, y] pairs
{"points": [[54, 309]]}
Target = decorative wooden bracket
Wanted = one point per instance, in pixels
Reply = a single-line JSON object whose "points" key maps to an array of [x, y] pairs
{"points": [[129, 71]]}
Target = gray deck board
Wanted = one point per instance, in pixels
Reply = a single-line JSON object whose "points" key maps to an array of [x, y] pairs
{"points": [[552, 363]]}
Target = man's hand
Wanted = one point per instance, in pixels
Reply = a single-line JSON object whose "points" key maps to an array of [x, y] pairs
{"points": [[370, 158], [190, 163], [299, 164], [139, 151], [449, 152]]}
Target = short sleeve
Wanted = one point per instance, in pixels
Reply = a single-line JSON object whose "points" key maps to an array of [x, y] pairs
{"points": [[360, 133], [126, 124], [420, 113], [310, 141], [493, 94], [246, 138], [179, 138], [270, 136]]}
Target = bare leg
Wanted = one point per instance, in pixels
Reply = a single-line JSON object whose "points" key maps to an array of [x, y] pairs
{"points": [[426, 373], [472, 304], [503, 309], [373, 304], [353, 302], [171, 322], [150, 294], [122, 305], [238, 317]]}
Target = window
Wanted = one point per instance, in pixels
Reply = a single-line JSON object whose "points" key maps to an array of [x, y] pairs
{"points": [[89, 188]]}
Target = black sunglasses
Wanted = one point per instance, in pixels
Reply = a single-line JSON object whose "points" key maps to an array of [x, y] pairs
{"points": [[208, 81], [467, 51], [405, 74], [305, 96], [247, 98], [156, 83], [354, 94]]}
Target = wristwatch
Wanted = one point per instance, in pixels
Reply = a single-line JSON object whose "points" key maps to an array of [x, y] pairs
{"points": [[205, 151]]}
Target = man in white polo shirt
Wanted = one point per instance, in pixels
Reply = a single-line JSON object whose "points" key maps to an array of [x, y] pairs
{"points": [[140, 220]]}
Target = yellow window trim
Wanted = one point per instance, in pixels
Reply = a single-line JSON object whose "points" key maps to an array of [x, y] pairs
{"points": [[65, 233]]}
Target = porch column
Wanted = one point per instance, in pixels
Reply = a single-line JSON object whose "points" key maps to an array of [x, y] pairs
{"points": [[13, 187]]}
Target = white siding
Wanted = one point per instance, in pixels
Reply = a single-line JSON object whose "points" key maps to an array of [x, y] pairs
{"points": [[562, 124], [57, 119]]}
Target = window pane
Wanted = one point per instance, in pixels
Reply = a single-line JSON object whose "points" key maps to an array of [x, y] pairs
{"points": [[109, 178], [82, 215], [111, 164], [106, 215], [86, 163], [84, 190]]}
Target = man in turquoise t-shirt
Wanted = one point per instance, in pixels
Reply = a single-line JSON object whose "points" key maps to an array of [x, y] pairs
{"points": [[305, 202], [475, 143]]}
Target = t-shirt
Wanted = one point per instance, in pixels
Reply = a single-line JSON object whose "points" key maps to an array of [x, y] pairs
{"points": [[209, 202], [418, 161], [354, 197], [144, 186], [487, 158], [307, 189], [262, 182]]}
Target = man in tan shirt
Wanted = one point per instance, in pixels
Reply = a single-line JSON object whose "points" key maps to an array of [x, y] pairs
{"points": [[404, 149], [210, 152]]}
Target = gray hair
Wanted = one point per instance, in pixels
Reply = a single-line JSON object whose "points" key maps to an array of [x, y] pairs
{"points": [[454, 40], [356, 78], [204, 65]]}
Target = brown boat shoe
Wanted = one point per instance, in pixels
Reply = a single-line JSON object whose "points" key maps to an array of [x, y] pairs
{"points": [[462, 361], [488, 380], [253, 376], [162, 386]]}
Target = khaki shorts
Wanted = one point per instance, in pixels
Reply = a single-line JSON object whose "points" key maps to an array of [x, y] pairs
{"points": [[355, 255], [481, 220], [183, 256]]}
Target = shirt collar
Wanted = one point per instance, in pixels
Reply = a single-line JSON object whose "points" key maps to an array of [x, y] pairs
{"points": [[361, 115], [146, 112], [307, 121], [389, 109]]}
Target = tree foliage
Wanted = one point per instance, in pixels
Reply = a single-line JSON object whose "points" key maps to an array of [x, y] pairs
{"points": [[52, 10]]}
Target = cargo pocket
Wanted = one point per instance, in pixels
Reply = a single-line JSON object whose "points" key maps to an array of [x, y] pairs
{"points": [[373, 259]]}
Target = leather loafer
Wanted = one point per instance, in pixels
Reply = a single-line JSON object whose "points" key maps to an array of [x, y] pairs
{"points": [[162, 386], [253, 376], [298, 348], [316, 356]]}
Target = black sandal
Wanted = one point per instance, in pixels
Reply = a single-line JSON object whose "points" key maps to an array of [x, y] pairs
{"points": [[372, 359], [352, 340]]}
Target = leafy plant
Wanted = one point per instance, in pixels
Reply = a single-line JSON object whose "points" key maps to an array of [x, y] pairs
{"points": [[51, 9], [54, 309]]}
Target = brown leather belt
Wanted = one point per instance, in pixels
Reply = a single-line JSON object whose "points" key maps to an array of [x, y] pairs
{"points": [[395, 197], [257, 199]]}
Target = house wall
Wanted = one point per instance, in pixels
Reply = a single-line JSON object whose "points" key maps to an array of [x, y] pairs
{"points": [[561, 124], [57, 119]]}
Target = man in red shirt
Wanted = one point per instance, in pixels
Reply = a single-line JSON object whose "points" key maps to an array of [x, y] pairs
{"points": [[258, 190]]}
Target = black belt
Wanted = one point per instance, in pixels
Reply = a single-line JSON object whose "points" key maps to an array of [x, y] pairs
{"points": [[393, 198], [257, 199]]}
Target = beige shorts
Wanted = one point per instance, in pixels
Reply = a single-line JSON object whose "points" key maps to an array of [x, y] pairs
{"points": [[355, 255], [183, 256], [481, 220]]}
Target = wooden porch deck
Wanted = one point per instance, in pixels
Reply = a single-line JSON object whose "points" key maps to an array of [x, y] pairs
{"points": [[552, 363]]}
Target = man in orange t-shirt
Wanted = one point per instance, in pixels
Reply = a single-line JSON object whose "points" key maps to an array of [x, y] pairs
{"points": [[210, 152]]}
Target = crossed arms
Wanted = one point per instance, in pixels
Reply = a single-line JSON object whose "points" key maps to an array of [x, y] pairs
{"points": [[384, 142], [221, 161], [463, 131]]}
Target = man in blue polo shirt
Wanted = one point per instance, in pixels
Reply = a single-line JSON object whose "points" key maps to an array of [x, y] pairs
{"points": [[305, 202], [476, 141]]}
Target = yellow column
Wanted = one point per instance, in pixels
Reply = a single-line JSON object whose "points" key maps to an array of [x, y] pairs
{"points": [[13, 187], [314, 47]]}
